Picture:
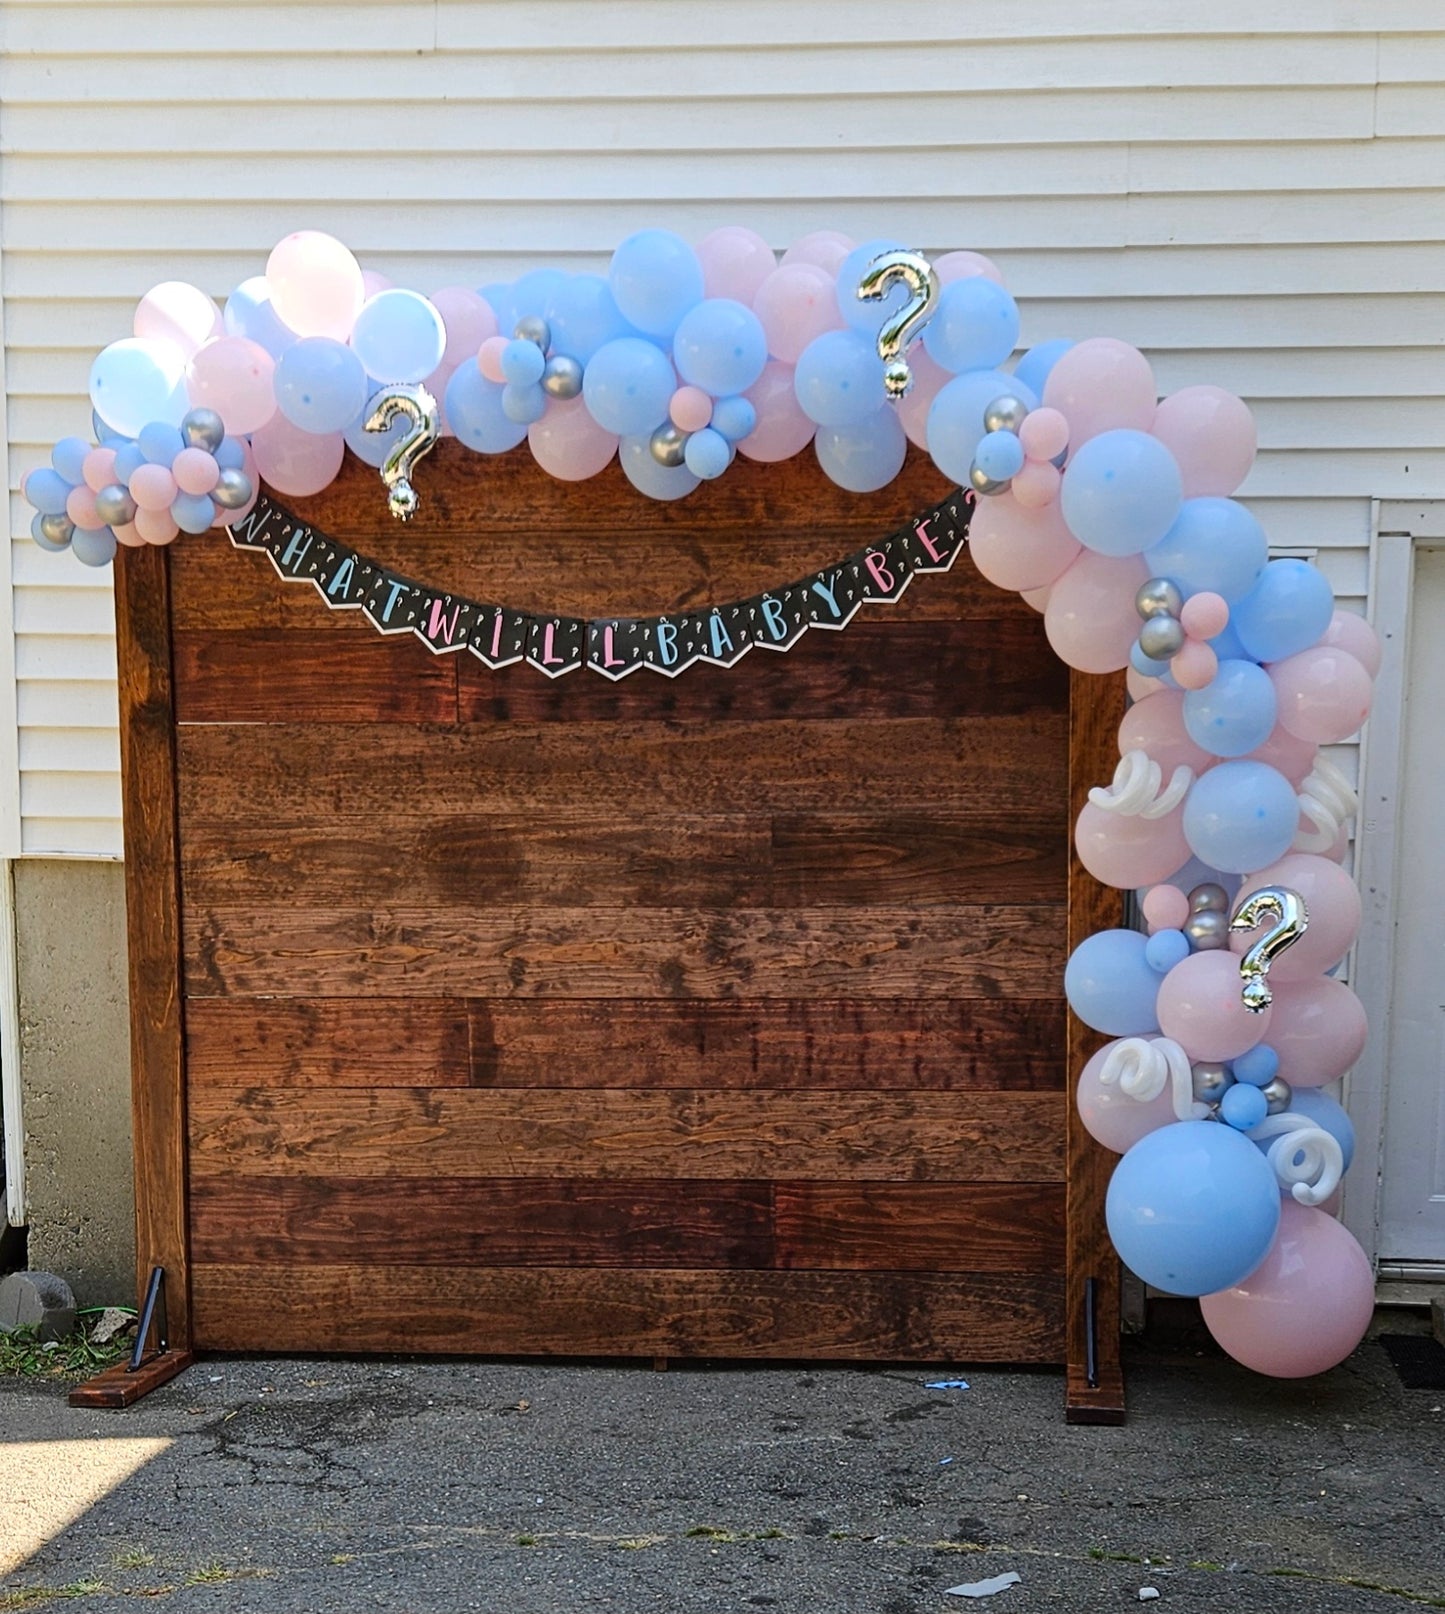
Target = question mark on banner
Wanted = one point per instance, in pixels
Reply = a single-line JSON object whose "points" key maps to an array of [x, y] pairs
{"points": [[420, 407], [1291, 919], [900, 330]]}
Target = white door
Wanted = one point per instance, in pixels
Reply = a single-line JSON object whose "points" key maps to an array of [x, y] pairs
{"points": [[1412, 1208]]}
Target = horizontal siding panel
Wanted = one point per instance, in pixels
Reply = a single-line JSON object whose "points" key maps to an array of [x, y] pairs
{"points": [[97, 836], [70, 796], [69, 749], [50, 702]]}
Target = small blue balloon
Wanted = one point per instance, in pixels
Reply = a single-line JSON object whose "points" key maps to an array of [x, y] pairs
{"points": [[320, 385], [999, 455], [1193, 1207], [1241, 816], [1324, 1112], [644, 472], [160, 442], [1288, 610], [1165, 949], [47, 490], [523, 363], [128, 460], [655, 278], [1243, 1106], [249, 312], [192, 512], [524, 404], [839, 379], [1146, 664], [628, 386], [474, 412], [974, 327], [38, 534], [229, 454], [1234, 712], [865, 457], [68, 458], [1227, 647], [1110, 985], [719, 346], [94, 546], [105, 434], [1121, 493], [868, 316], [499, 295], [582, 315], [1033, 369], [735, 418], [707, 454], [1214, 546], [955, 418], [1257, 1066]]}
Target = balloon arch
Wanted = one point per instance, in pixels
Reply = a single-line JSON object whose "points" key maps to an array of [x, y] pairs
{"points": [[1109, 510]]}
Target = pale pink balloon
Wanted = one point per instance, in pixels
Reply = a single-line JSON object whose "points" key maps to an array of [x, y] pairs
{"points": [[1333, 902], [1205, 615], [1200, 1007], [965, 266], [929, 379], [690, 409], [795, 304], [1109, 1114], [1318, 1029], [489, 358], [1128, 850], [236, 378], [1155, 725], [1091, 621], [1037, 599], [824, 248], [1305, 1307], [1292, 756], [80, 507], [180, 314], [1044, 434], [195, 470], [156, 526], [1037, 485], [568, 443], [1211, 434], [782, 429], [317, 287], [735, 262], [373, 281], [1195, 665], [128, 535], [1165, 907], [1352, 634], [98, 469], [1017, 548], [294, 461], [1141, 685], [1324, 694], [1101, 385], [153, 487], [469, 320]]}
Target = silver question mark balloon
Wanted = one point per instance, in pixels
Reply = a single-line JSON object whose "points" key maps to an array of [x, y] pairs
{"points": [[418, 405], [1291, 919], [901, 329]]}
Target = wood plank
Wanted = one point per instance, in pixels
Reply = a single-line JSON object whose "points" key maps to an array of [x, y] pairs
{"points": [[551, 1311], [405, 1133], [984, 951], [813, 1043], [320, 1042], [118, 1387]]}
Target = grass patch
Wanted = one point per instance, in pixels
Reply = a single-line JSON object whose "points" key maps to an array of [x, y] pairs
{"points": [[133, 1558], [34, 1596], [525, 1541], [1099, 1556], [23, 1356], [210, 1575]]}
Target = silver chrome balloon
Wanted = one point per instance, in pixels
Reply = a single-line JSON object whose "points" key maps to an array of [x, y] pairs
{"points": [[1208, 897], [669, 444], [1207, 930], [114, 505], [533, 328], [1278, 1094], [900, 329], [1005, 414], [982, 482], [1211, 1080], [1162, 637], [1285, 918], [414, 403], [59, 529], [203, 428], [562, 377], [1157, 595], [233, 489]]}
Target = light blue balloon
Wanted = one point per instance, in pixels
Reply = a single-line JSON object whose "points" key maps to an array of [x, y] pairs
{"points": [[1226, 645], [1214, 546], [839, 379], [1243, 1106], [1288, 609], [192, 512], [859, 314], [499, 295], [643, 471], [1146, 664], [628, 386], [1258, 1065], [525, 404], [249, 312], [106, 435], [68, 458], [707, 454], [999, 455], [399, 336], [320, 385], [1121, 492], [47, 490], [1326, 1113], [1240, 816], [474, 412], [582, 315], [1165, 949], [735, 418], [1033, 369], [523, 363], [228, 454], [1234, 712], [47, 544], [655, 278], [1192, 1208], [1110, 984], [974, 327], [160, 442], [865, 457], [719, 345], [94, 546], [955, 418], [531, 294]]}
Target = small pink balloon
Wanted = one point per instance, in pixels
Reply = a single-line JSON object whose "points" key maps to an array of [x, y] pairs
{"points": [[1200, 1007], [1017, 548], [1305, 1307], [153, 488], [965, 266], [296, 462], [1044, 434], [98, 469], [373, 281], [128, 535], [1355, 636], [1292, 756], [1195, 665], [1140, 684], [735, 262], [1324, 694], [195, 470], [1091, 621], [568, 443], [1211, 435], [317, 287], [1155, 725], [782, 428], [236, 378], [1317, 1028], [469, 321], [1109, 1114], [489, 358], [80, 507], [1037, 485], [1165, 907], [690, 409], [178, 313], [1037, 599], [795, 304], [1128, 850], [155, 526], [929, 379], [1205, 615], [1101, 385], [825, 248], [1333, 902]]}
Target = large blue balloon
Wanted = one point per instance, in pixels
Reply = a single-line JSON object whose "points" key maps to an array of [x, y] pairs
{"points": [[474, 412], [1241, 816], [249, 312], [863, 458], [1286, 611], [582, 315], [974, 327], [839, 379], [868, 315], [1111, 985], [719, 346], [320, 384], [1214, 546], [1121, 492], [628, 386], [655, 278], [1234, 712], [531, 295], [1193, 1208], [955, 418]]}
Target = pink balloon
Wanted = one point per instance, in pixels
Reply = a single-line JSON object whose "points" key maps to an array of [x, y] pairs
{"points": [[195, 470], [1110, 1115], [690, 409], [489, 358], [1091, 621], [180, 314], [156, 526], [98, 468], [373, 281], [1324, 694], [80, 507], [1037, 485], [1293, 757], [1141, 685], [1357, 638], [295, 461], [568, 443], [1211, 434], [235, 377], [469, 321], [965, 266], [316, 285], [1333, 901], [1037, 599], [1044, 434], [795, 304], [1165, 907], [1195, 665], [1305, 1307], [1156, 724], [127, 534], [153, 487], [1205, 615], [824, 248], [1129, 850], [1100, 385], [1318, 1029], [929, 379], [1200, 1007], [1017, 548], [735, 262], [782, 429]]}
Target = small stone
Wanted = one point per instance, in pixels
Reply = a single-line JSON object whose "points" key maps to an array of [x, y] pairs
{"points": [[37, 1300], [111, 1324], [1147, 1594]]}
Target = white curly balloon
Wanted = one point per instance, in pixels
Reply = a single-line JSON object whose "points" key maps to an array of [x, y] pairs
{"points": [[1138, 790], [1327, 801], [1306, 1159], [1144, 1066]]}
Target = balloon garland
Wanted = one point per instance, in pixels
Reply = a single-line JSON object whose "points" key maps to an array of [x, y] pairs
{"points": [[1108, 509]]}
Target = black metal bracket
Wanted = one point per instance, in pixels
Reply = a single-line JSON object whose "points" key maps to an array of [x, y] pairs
{"points": [[1091, 1331], [152, 1311]]}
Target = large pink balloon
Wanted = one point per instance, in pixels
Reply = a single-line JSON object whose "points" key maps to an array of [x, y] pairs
{"points": [[469, 320], [1317, 1028], [1155, 725], [929, 379], [1128, 850], [178, 313], [1101, 385], [1292, 756], [1111, 1116], [316, 284], [795, 304], [825, 248], [1200, 1007], [735, 262], [1211, 435], [1353, 634], [782, 429], [294, 461], [236, 378], [1091, 621], [1333, 901], [1324, 694], [568, 443], [1140, 685], [965, 266], [1305, 1307], [1016, 548]]}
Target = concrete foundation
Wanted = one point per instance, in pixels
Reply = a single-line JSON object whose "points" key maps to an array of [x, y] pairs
{"points": [[75, 1072]]}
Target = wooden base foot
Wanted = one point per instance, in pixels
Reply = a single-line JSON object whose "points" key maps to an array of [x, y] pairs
{"points": [[118, 1386], [1100, 1403]]}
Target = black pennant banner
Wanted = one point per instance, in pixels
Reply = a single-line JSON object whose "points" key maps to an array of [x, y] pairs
{"points": [[721, 635]]}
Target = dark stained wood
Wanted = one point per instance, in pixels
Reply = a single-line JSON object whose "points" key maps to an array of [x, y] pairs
{"points": [[404, 1133], [118, 1387], [917, 1317]]}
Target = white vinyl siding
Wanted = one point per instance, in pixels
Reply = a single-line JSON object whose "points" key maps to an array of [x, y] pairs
{"points": [[1254, 195]]}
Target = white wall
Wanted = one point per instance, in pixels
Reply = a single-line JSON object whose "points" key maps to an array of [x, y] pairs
{"points": [[1255, 195]]}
